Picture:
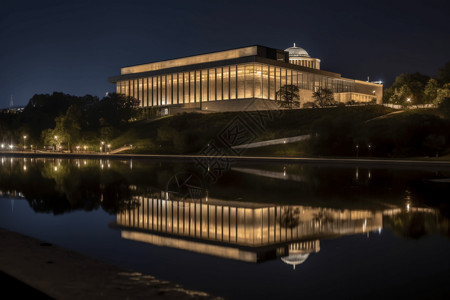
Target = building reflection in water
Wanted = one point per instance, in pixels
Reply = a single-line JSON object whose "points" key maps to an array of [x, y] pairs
{"points": [[244, 231]]}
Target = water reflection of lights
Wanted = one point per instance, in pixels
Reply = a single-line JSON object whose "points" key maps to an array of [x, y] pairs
{"points": [[408, 200]]}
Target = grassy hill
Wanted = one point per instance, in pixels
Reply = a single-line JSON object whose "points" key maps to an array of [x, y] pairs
{"points": [[190, 132]]}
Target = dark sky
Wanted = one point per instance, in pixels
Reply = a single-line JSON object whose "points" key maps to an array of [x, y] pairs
{"points": [[74, 46]]}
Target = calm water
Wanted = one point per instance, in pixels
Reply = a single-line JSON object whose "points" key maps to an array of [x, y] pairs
{"points": [[257, 231]]}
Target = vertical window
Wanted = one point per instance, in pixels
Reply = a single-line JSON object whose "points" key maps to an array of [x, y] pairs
{"points": [[212, 84], [175, 89], [219, 83], [140, 91], [186, 88], [249, 81], [233, 79], [283, 78], [197, 86], [163, 90], [295, 78], [155, 91], [258, 81], [265, 82], [240, 82], [192, 87], [277, 81], [204, 85], [169, 90], [180, 88], [226, 83], [272, 83], [145, 90], [127, 88], [131, 88], [288, 77]]}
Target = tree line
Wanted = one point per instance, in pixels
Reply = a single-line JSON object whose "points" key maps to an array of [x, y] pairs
{"points": [[417, 88], [62, 120]]}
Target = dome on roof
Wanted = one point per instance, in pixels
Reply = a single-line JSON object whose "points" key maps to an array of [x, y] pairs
{"points": [[295, 51]]}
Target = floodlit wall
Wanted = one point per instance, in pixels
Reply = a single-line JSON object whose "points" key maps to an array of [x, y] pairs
{"points": [[227, 83], [244, 224]]}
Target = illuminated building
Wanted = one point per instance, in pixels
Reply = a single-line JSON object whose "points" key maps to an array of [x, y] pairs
{"points": [[245, 231], [239, 79]]}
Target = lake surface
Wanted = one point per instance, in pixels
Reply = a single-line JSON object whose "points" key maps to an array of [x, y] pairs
{"points": [[249, 231]]}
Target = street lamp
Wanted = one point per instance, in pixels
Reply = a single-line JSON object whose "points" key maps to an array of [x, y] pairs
{"points": [[370, 147], [357, 151], [24, 138]]}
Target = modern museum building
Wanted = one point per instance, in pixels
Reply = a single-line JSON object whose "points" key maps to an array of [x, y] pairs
{"points": [[246, 78]]}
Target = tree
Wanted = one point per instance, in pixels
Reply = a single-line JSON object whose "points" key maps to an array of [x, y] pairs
{"points": [[324, 97], [443, 75], [67, 129], [444, 107], [442, 93], [401, 95], [117, 109], [431, 90], [407, 86], [289, 96]]}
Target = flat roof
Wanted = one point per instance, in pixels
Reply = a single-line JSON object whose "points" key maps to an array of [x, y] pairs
{"points": [[192, 60]]}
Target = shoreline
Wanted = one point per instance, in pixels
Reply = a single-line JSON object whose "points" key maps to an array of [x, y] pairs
{"points": [[62, 274], [378, 162]]}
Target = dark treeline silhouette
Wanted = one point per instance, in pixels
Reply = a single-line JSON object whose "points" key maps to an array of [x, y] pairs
{"points": [[61, 119], [416, 88]]}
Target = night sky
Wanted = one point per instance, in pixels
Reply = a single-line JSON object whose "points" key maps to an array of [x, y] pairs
{"points": [[74, 46]]}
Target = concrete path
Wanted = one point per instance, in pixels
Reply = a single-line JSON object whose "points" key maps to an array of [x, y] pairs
{"points": [[286, 140], [63, 274], [374, 162]]}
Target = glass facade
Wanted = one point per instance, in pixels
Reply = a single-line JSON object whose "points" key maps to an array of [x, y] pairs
{"points": [[226, 83], [248, 226]]}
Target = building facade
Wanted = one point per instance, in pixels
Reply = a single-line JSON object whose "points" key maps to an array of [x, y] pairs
{"points": [[236, 79]]}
